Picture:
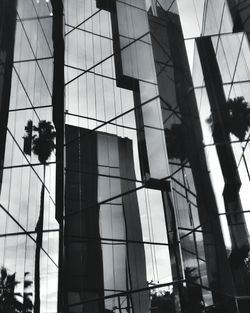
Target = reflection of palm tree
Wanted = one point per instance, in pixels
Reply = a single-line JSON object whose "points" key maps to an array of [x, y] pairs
{"points": [[238, 117], [239, 121], [27, 302], [8, 298], [42, 145]]}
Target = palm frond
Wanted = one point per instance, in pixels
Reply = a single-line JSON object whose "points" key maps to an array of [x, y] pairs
{"points": [[43, 144], [238, 118]]}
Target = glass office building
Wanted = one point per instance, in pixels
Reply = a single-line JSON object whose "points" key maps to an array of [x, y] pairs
{"points": [[27, 70], [145, 198]]}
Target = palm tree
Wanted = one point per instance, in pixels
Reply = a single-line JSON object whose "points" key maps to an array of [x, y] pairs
{"points": [[27, 302], [41, 145], [238, 117], [239, 121], [9, 302]]}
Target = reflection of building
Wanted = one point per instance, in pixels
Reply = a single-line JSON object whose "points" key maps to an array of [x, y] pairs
{"points": [[127, 75], [105, 237], [202, 247], [26, 64]]}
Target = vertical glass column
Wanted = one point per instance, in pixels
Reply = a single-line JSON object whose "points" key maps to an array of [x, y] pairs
{"points": [[136, 70], [25, 189], [7, 35]]}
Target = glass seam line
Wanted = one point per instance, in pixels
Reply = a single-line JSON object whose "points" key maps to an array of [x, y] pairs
{"points": [[14, 139], [27, 233], [112, 198], [76, 27], [113, 119], [108, 57]]}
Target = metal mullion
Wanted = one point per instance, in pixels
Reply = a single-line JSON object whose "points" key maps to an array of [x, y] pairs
{"points": [[24, 165], [113, 119], [226, 142], [180, 194], [131, 38], [32, 60], [32, 18], [91, 72], [128, 292], [246, 165], [111, 199], [171, 109], [190, 229], [27, 233], [131, 5], [108, 57], [76, 27], [31, 108], [244, 148], [108, 166], [176, 171], [170, 6], [87, 238], [180, 184], [171, 115], [104, 175], [88, 31], [80, 211], [166, 64], [178, 164], [169, 57], [193, 253], [162, 48], [105, 76], [213, 218], [101, 121], [152, 127]]}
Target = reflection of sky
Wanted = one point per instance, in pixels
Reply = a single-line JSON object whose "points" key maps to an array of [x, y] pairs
{"points": [[87, 95], [20, 194], [98, 97], [232, 52], [95, 96]]}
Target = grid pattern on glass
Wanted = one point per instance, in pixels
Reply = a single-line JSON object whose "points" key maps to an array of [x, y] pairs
{"points": [[97, 98], [229, 34], [30, 99]]}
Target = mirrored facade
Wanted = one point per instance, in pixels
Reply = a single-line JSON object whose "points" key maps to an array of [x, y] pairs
{"points": [[124, 156], [24, 186]]}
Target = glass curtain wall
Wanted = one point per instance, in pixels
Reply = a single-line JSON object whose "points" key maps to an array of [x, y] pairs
{"points": [[7, 35], [217, 21], [102, 95], [127, 79], [117, 82], [23, 174], [203, 249], [105, 237]]}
